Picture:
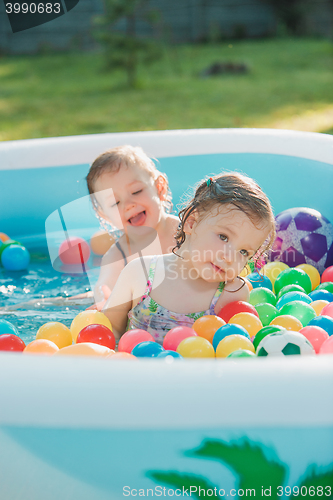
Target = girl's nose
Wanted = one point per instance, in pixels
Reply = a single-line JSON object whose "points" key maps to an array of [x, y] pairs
{"points": [[228, 255]]}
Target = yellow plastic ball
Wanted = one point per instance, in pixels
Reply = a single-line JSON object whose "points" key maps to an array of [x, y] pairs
{"points": [[100, 242], [196, 347], [206, 326], [312, 272], [232, 343], [318, 305], [245, 271], [85, 349], [273, 269], [86, 318], [56, 332], [288, 322], [249, 321], [41, 346]]}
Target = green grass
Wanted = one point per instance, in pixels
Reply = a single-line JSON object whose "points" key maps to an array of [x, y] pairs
{"points": [[70, 94]]}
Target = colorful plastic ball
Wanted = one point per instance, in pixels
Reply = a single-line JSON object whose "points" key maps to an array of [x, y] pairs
{"points": [[132, 338], [196, 347], [147, 349], [248, 284], [260, 280], [312, 272], [41, 346], [273, 269], [7, 244], [15, 258], [291, 297], [266, 331], [318, 305], [249, 321], [126, 356], [262, 295], [56, 332], [241, 353], [325, 322], [327, 275], [10, 342], [84, 349], [327, 310], [101, 242], [327, 285], [176, 335], [206, 326], [267, 312], [246, 271], [173, 354], [288, 322], [315, 335], [229, 310], [233, 343], [327, 346], [226, 330], [290, 288], [293, 276], [321, 295], [74, 251], [98, 334], [86, 318], [300, 310], [4, 237], [7, 327]]}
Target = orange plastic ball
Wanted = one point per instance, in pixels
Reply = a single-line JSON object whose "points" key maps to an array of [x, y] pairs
{"points": [[206, 326], [85, 349], [248, 284], [41, 346], [122, 355], [196, 347], [249, 321], [56, 332], [4, 237], [101, 242], [288, 322], [86, 318], [232, 343], [318, 305]]}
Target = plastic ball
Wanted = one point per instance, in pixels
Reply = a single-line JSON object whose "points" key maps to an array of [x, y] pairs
{"points": [[318, 305], [266, 331], [127, 356], [248, 284], [288, 322], [176, 335], [300, 310], [226, 330], [98, 334], [10, 342], [273, 269], [74, 251], [132, 338], [327, 275], [266, 312], [56, 332], [262, 295], [259, 280], [101, 242], [241, 353], [172, 354], [312, 272], [206, 326], [4, 237], [325, 322], [321, 295], [86, 318], [147, 349], [290, 288], [15, 258], [196, 347], [285, 343], [327, 346], [229, 310], [7, 327], [7, 244], [250, 322], [315, 335], [41, 346], [246, 271], [293, 276], [327, 285], [84, 349], [291, 297], [233, 343], [327, 310]]}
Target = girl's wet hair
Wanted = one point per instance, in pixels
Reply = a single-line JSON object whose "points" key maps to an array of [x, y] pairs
{"points": [[112, 160], [230, 189]]}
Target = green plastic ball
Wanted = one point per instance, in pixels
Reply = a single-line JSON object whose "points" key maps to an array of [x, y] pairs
{"points": [[261, 295], [241, 353], [7, 244], [327, 285], [267, 312], [293, 276], [289, 288], [266, 331], [299, 310]]}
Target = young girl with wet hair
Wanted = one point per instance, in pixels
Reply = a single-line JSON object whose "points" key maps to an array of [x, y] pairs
{"points": [[228, 222]]}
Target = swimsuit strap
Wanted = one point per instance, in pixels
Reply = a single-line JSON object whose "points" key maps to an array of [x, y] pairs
{"points": [[218, 292], [121, 251], [150, 279]]}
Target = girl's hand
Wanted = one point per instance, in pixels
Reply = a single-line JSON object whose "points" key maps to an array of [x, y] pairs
{"points": [[99, 305]]}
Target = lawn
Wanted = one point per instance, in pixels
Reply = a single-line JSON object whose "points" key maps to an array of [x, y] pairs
{"points": [[289, 85]]}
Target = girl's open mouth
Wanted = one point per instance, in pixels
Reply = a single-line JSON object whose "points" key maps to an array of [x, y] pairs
{"points": [[138, 219]]}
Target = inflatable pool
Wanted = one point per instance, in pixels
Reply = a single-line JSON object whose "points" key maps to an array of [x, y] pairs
{"points": [[83, 428]]}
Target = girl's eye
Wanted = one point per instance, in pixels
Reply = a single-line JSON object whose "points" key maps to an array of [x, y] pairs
{"points": [[245, 253], [223, 237], [137, 192]]}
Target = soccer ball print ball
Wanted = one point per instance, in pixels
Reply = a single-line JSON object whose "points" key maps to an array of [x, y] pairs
{"points": [[284, 344], [303, 236]]}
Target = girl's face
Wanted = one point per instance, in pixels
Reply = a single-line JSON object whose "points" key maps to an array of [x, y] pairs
{"points": [[130, 197], [219, 245]]}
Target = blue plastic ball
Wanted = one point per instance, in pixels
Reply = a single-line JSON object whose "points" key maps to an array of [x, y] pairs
{"points": [[321, 295], [291, 296], [174, 354], [6, 327], [147, 350], [258, 280], [324, 322], [15, 258], [229, 329]]}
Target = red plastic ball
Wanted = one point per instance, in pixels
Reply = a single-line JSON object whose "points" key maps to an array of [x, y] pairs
{"points": [[175, 336], [327, 310], [98, 334], [132, 338], [315, 335], [74, 251], [327, 346], [327, 275], [229, 310], [10, 342]]}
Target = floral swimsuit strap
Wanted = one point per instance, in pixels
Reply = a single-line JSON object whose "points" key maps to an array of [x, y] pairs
{"points": [[218, 292], [150, 279]]}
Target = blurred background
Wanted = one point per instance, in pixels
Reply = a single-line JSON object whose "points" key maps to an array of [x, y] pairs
{"points": [[128, 65]]}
